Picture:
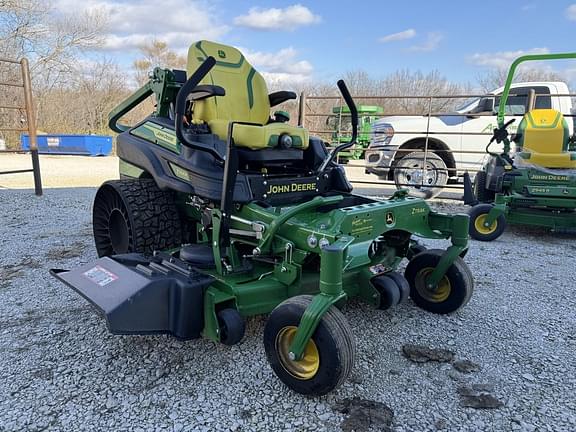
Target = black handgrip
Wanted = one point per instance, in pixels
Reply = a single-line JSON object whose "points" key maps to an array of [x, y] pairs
{"points": [[180, 108], [352, 106], [192, 82], [354, 117], [501, 133]]}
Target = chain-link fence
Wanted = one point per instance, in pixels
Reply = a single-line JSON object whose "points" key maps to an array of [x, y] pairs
{"points": [[406, 141]]}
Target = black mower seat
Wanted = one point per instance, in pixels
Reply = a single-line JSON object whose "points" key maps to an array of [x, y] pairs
{"points": [[199, 255]]}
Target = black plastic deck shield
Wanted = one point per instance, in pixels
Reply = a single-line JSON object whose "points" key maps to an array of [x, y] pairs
{"points": [[138, 295]]}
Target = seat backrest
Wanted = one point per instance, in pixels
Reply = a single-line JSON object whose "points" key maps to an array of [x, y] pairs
{"points": [[543, 131], [246, 98]]}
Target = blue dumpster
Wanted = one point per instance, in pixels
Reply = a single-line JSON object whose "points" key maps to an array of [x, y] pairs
{"points": [[86, 145]]}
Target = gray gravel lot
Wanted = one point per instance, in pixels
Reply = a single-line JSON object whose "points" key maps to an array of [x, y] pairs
{"points": [[61, 370]]}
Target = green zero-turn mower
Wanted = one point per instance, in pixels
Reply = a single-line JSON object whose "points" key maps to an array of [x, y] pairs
{"points": [[535, 187], [223, 212]]}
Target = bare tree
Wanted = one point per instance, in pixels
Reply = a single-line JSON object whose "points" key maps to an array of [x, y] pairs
{"points": [[156, 53], [83, 104], [494, 78], [51, 40]]}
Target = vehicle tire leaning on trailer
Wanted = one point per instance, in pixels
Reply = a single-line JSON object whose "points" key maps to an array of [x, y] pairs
{"points": [[423, 174], [328, 357], [134, 215]]}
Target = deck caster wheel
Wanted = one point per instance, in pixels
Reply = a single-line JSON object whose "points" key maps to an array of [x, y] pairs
{"points": [[389, 290], [402, 284], [478, 230], [454, 289], [328, 357], [232, 326]]}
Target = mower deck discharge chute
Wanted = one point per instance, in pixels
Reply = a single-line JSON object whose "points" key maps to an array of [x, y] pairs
{"points": [[536, 186], [224, 212]]}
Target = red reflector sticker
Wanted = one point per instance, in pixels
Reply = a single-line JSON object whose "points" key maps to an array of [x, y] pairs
{"points": [[100, 276]]}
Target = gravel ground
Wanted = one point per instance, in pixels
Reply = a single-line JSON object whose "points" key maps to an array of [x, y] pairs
{"points": [[61, 370]]}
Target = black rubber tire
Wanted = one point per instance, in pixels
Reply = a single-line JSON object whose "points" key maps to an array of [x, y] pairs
{"points": [[483, 195], [333, 339], [232, 326], [134, 215], [415, 250], [461, 282], [412, 161], [479, 211], [402, 284], [388, 289]]}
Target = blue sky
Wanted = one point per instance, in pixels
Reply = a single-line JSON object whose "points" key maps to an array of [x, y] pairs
{"points": [[320, 40]]}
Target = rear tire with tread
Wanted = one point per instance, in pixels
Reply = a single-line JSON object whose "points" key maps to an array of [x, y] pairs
{"points": [[134, 215], [483, 195]]}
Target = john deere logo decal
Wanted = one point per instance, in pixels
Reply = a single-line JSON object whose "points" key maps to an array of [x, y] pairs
{"points": [[390, 218], [292, 187], [221, 54]]}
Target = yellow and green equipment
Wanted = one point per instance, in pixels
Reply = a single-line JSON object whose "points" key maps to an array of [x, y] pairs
{"points": [[537, 185], [223, 212]]}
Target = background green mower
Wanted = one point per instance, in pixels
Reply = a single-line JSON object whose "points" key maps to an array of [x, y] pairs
{"points": [[223, 212], [535, 187]]}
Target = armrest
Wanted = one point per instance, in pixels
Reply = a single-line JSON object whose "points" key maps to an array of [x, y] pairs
{"points": [[278, 97], [205, 91]]}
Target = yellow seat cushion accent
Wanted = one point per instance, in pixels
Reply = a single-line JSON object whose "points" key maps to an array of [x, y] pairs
{"points": [[258, 137], [246, 98], [544, 139]]}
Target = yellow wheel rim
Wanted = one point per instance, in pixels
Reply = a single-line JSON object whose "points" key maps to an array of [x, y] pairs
{"points": [[481, 228], [303, 369], [440, 294]]}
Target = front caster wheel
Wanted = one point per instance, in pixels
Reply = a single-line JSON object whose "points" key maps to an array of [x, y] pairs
{"points": [[328, 357], [453, 291], [478, 229]]}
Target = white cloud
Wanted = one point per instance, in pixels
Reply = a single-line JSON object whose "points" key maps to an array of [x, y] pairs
{"points": [[281, 66], [571, 12], [130, 24], [289, 18], [502, 59], [403, 35], [432, 42]]}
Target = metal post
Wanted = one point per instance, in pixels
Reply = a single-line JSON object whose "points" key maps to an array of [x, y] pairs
{"points": [[531, 102], [31, 120], [302, 110], [424, 172]]}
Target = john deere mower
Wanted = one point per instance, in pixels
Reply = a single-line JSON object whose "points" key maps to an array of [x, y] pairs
{"points": [[223, 212], [536, 185]]}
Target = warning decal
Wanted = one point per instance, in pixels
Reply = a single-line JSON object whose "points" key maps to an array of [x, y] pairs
{"points": [[100, 276]]}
